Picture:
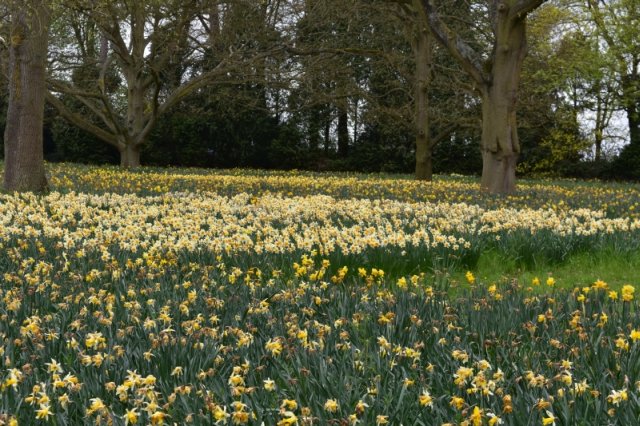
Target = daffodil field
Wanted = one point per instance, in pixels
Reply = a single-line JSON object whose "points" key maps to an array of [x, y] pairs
{"points": [[172, 296]]}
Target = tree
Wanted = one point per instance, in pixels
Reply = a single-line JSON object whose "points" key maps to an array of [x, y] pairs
{"points": [[430, 125], [4, 97], [153, 47], [4, 82], [589, 85], [328, 54], [423, 52], [23, 146], [555, 90], [617, 24], [496, 80]]}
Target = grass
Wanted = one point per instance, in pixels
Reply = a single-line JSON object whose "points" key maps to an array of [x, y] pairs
{"points": [[578, 270]]}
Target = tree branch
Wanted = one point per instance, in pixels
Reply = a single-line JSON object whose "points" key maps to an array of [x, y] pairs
{"points": [[442, 134], [596, 13], [80, 122], [84, 97], [461, 52], [204, 79], [523, 7]]}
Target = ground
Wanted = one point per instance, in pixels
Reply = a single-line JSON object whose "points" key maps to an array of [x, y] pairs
{"points": [[244, 297]]}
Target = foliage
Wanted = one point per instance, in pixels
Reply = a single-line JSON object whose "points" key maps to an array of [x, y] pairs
{"points": [[460, 154], [225, 134], [626, 165]]}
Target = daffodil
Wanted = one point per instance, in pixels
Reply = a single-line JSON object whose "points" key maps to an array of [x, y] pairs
{"points": [[627, 292], [471, 279], [425, 399], [269, 385], [382, 420], [131, 416], [44, 412], [331, 405], [549, 420]]}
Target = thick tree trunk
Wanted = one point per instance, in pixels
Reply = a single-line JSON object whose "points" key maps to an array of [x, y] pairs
{"points": [[130, 156], [497, 80], [633, 117], [424, 147], [500, 145], [424, 162], [631, 103], [130, 148], [23, 149], [136, 100], [135, 108]]}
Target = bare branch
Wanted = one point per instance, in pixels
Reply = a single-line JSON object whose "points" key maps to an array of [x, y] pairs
{"points": [[461, 51], [523, 7], [80, 121], [443, 134]]}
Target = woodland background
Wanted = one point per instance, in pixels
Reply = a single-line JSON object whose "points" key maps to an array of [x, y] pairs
{"points": [[332, 85]]}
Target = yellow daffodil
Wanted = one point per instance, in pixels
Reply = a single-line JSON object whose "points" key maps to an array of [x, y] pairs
{"points": [[269, 385], [331, 406], [627, 292], [44, 412], [549, 420], [131, 417], [425, 399]]}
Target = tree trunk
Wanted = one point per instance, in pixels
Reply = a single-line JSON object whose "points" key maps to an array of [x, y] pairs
{"points": [[130, 156], [136, 101], [598, 143], [500, 145], [23, 146], [634, 126], [424, 160], [130, 148], [424, 148], [497, 81], [604, 110], [598, 132], [633, 117], [327, 137], [343, 131], [135, 107], [355, 120]]}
